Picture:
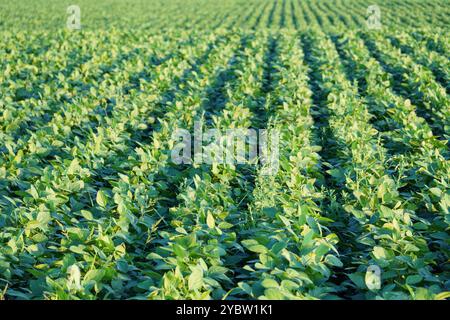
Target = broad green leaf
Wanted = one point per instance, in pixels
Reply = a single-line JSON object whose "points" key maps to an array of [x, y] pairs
{"points": [[102, 199], [210, 221], [195, 280]]}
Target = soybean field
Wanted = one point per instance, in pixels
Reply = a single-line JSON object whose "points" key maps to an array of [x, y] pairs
{"points": [[92, 205]]}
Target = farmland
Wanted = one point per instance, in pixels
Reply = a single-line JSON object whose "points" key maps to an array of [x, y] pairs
{"points": [[92, 207]]}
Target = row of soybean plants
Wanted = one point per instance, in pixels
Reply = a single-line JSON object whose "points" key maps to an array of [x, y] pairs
{"points": [[415, 81], [34, 160], [419, 158], [435, 40], [62, 194], [187, 106], [151, 178], [74, 103], [290, 251], [155, 16], [329, 15], [395, 14], [434, 61], [82, 109], [201, 251], [43, 78], [386, 236]]}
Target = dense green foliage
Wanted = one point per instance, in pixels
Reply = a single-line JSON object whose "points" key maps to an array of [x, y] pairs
{"points": [[91, 207], [157, 15]]}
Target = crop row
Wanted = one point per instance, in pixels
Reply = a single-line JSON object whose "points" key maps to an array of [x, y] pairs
{"points": [[156, 15]]}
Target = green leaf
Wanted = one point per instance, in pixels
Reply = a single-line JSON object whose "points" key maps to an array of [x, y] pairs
{"points": [[210, 221], [195, 280], [269, 283], [379, 253], [307, 240], [225, 225], [43, 217], [285, 221], [102, 199], [87, 215], [74, 167], [94, 275], [273, 294], [358, 280], [334, 261], [414, 279], [442, 295], [270, 212], [321, 250], [179, 251], [436, 191], [254, 246]]}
